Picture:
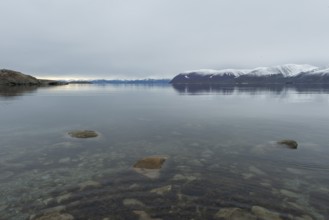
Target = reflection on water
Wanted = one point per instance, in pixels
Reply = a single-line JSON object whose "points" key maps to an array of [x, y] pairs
{"points": [[9, 92], [223, 160], [251, 89]]}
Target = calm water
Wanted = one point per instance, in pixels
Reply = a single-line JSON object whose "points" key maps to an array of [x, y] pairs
{"points": [[220, 144]]}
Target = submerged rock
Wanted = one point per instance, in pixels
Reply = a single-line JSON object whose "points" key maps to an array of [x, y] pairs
{"points": [[64, 197], [180, 177], [162, 190], [264, 213], [55, 216], [150, 166], [89, 184], [154, 162], [144, 216], [83, 134], [289, 193], [234, 214], [268, 147], [288, 143]]}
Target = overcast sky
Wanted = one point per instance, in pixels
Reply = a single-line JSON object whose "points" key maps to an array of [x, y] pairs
{"points": [[159, 38]]}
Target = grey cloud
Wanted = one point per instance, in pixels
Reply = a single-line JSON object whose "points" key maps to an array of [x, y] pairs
{"points": [[106, 38]]}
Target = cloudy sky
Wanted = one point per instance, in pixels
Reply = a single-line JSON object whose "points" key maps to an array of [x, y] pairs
{"points": [[159, 38]]}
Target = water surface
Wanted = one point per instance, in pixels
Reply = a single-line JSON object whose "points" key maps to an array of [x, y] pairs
{"points": [[220, 143]]}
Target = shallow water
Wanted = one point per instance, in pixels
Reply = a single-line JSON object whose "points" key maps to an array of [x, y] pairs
{"points": [[220, 143]]}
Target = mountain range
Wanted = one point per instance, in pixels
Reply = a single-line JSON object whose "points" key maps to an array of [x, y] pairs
{"points": [[284, 74]]}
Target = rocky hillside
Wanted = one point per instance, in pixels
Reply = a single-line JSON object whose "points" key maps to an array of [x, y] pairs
{"points": [[13, 78], [10, 77], [285, 74]]}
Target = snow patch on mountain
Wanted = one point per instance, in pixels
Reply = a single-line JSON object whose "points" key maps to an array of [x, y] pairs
{"points": [[321, 72], [211, 72], [287, 70]]}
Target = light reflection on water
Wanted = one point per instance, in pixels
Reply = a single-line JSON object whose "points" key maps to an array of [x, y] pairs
{"points": [[220, 142]]}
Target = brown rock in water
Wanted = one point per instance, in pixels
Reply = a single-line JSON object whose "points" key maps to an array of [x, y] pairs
{"points": [[83, 134], [150, 166], [289, 143], [154, 162]]}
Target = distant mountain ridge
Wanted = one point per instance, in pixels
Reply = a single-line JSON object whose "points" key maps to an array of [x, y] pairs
{"points": [[284, 74], [119, 81], [15, 78]]}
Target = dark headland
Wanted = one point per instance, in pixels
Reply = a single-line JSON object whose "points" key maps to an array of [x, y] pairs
{"points": [[14, 78]]}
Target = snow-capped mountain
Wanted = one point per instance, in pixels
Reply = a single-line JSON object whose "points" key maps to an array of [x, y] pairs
{"points": [[288, 73], [210, 72], [321, 71], [288, 70]]}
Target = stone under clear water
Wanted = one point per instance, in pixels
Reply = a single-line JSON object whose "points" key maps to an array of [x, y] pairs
{"points": [[220, 144]]}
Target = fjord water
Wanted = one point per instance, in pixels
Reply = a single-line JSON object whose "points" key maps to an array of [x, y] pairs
{"points": [[220, 143]]}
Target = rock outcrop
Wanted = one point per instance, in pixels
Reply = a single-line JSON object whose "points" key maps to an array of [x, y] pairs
{"points": [[10, 77], [14, 78]]}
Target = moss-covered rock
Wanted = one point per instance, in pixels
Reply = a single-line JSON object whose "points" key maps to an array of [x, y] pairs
{"points": [[83, 134], [154, 162], [150, 166], [288, 143]]}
